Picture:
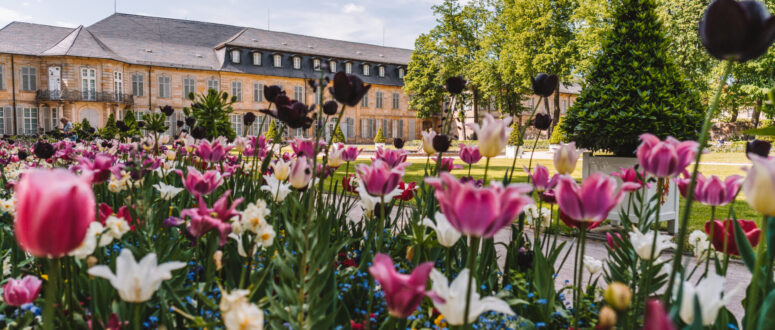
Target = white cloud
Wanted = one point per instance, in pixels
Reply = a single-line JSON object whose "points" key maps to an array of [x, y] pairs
{"points": [[352, 8], [8, 15]]}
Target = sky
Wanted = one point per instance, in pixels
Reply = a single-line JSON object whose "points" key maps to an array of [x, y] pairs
{"points": [[352, 20]]}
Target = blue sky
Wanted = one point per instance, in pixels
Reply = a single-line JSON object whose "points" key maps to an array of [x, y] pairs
{"points": [[352, 20]]}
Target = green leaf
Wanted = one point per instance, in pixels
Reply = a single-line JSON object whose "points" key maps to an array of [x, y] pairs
{"points": [[770, 223], [767, 313], [746, 252]]}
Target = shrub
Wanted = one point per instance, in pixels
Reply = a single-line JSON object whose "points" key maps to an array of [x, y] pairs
{"points": [[131, 124], [634, 87], [379, 138], [211, 111], [514, 138], [558, 135], [110, 130], [271, 133], [338, 135]]}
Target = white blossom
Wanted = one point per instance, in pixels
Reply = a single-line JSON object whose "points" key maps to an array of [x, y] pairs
{"points": [[136, 282]]}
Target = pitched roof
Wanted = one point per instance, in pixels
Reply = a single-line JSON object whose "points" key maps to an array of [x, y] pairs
{"points": [[177, 43]]}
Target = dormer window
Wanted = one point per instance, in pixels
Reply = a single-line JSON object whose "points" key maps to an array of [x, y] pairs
{"points": [[297, 62], [332, 66], [348, 68], [235, 56], [366, 69], [401, 73], [277, 60], [256, 58], [316, 64], [381, 71]]}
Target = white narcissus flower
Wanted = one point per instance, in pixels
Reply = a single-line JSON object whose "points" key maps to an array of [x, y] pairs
{"points": [[7, 266], [244, 317], [136, 282], [710, 293], [492, 134], [167, 191], [265, 236], [116, 228], [254, 216], [89, 242], [697, 236], [445, 233], [702, 246], [642, 243], [276, 188], [592, 265], [451, 299], [230, 300], [8, 205]]}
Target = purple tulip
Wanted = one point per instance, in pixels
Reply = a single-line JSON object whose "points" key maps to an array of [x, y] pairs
{"points": [[396, 158], [214, 152], [540, 178], [469, 154], [21, 291], [447, 164], [199, 184], [403, 293], [667, 158], [589, 204], [204, 219], [712, 191], [305, 147], [478, 211], [350, 153], [379, 178], [100, 167]]}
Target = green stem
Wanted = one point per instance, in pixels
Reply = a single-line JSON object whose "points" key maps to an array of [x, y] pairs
{"points": [[136, 322], [579, 290], [753, 303], [51, 293], [472, 250], [522, 134], [486, 168], [703, 142]]}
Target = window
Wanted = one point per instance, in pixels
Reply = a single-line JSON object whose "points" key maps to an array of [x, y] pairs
{"points": [[256, 58], [213, 84], [296, 62], [350, 127], [164, 86], [348, 68], [189, 86], [396, 100], [2, 82], [298, 93], [366, 69], [401, 73], [236, 90], [236, 123], [29, 78], [381, 71], [30, 121], [118, 84], [365, 101], [278, 60], [258, 92], [316, 64], [89, 83], [54, 117], [379, 100], [386, 128], [138, 82], [235, 56], [332, 66]]}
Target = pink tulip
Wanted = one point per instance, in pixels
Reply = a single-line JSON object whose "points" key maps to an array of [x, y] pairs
{"points": [[469, 154], [204, 219], [403, 293], [214, 152], [630, 175], [53, 212], [447, 164], [540, 178], [665, 158], [396, 158], [21, 291], [586, 206], [301, 173], [656, 318], [478, 211], [100, 167], [379, 178], [305, 147], [609, 239], [350, 153], [712, 191], [199, 184]]}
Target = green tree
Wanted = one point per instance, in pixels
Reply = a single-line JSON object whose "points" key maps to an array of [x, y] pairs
{"points": [[131, 123], [558, 135], [680, 18], [634, 87], [110, 130], [379, 137], [271, 133], [422, 80]]}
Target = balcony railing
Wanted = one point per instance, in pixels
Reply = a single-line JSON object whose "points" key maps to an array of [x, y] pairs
{"points": [[86, 96]]}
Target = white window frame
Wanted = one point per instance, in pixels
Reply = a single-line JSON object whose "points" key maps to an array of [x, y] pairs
{"points": [[378, 97], [213, 84], [332, 66], [187, 88], [381, 71], [316, 64], [365, 101], [298, 93], [366, 69], [164, 87], [396, 100], [29, 78], [348, 68], [30, 120], [55, 117], [2, 80], [118, 84], [277, 60], [236, 89], [235, 56], [257, 58], [89, 83], [258, 92], [297, 62], [401, 73], [138, 84]]}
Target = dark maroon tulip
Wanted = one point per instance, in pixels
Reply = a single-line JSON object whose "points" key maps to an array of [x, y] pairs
{"points": [[167, 110], [180, 123], [43, 150], [737, 30], [542, 121], [455, 85], [441, 142], [330, 108], [348, 89], [544, 84], [295, 115], [271, 93], [121, 125], [248, 118], [398, 143], [758, 147], [190, 121]]}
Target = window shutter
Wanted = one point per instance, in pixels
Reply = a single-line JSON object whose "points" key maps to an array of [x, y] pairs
{"points": [[46, 118], [350, 128], [412, 133], [8, 120], [401, 128], [19, 120]]}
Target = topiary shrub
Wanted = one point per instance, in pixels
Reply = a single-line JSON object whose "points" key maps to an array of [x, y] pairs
{"points": [[634, 87], [379, 138], [271, 133], [110, 130], [338, 135], [558, 135], [514, 138]]}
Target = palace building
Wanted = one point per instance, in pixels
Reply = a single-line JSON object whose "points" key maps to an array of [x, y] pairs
{"points": [[142, 63]]}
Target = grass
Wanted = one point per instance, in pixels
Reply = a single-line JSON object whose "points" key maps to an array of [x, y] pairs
{"points": [[724, 164]]}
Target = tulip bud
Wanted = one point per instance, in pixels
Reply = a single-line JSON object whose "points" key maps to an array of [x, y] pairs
{"points": [[618, 295], [544, 84], [271, 93], [167, 110], [441, 142], [427, 142], [330, 108], [607, 318], [248, 118], [22, 154], [758, 147], [217, 258], [737, 30], [409, 252], [190, 121], [43, 150], [565, 158], [455, 85], [91, 261], [759, 185], [542, 121], [398, 143]]}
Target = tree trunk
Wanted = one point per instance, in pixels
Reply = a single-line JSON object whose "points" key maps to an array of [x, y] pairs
{"points": [[757, 110], [557, 110], [735, 111], [476, 104]]}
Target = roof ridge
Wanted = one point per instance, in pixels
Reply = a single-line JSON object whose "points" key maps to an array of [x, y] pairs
{"points": [[234, 37], [77, 30], [329, 39], [169, 18], [104, 46]]}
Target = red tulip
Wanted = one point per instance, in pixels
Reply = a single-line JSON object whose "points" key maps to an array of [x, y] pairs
{"points": [[726, 230], [53, 212], [610, 240], [407, 190], [403, 293]]}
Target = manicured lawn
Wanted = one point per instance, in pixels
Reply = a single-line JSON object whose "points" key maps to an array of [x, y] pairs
{"points": [[498, 168]]}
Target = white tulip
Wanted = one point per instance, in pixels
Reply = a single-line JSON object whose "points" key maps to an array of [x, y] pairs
{"points": [[427, 142], [445, 233], [276, 188], [167, 191], [136, 282], [642, 243], [452, 302], [89, 242], [710, 293], [492, 135], [592, 265], [281, 169]]}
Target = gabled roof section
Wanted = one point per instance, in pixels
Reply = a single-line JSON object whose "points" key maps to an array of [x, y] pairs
{"points": [[83, 43], [30, 39]]}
